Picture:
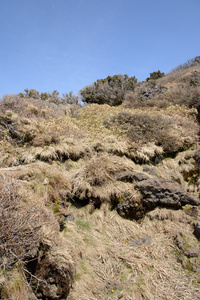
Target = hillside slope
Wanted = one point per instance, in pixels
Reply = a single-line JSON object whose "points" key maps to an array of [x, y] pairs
{"points": [[99, 201]]}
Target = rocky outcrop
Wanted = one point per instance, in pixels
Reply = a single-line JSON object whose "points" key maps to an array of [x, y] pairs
{"points": [[165, 193]]}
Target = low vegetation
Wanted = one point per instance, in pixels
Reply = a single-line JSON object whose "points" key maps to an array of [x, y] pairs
{"points": [[74, 223]]}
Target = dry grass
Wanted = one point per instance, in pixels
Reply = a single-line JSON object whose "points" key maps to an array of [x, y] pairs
{"points": [[41, 180], [15, 287], [96, 181], [180, 87], [20, 220], [30, 199], [51, 156], [105, 253], [172, 134]]}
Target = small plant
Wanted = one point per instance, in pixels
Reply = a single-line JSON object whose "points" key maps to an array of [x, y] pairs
{"points": [[56, 206]]}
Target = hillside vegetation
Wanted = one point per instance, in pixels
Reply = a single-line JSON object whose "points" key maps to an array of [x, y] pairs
{"points": [[101, 201]]}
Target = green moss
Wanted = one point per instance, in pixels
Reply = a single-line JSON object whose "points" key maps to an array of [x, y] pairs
{"points": [[56, 206]]}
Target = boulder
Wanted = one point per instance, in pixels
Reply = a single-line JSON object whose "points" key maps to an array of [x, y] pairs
{"points": [[165, 193]]}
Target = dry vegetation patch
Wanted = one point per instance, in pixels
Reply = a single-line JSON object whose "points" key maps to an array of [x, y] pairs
{"points": [[96, 181], [110, 266], [171, 134]]}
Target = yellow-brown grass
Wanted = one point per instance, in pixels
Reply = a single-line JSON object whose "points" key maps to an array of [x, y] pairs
{"points": [[101, 245]]}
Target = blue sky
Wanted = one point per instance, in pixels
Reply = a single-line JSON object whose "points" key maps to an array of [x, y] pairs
{"points": [[66, 44]]}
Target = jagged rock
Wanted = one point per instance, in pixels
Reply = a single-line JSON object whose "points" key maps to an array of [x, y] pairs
{"points": [[164, 193], [144, 240], [197, 230]]}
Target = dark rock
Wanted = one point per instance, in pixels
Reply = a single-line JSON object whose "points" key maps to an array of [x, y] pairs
{"points": [[130, 177], [131, 209], [164, 193], [144, 240], [197, 230]]}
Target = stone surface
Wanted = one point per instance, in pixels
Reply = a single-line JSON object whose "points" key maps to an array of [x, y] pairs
{"points": [[197, 230], [130, 177], [164, 193]]}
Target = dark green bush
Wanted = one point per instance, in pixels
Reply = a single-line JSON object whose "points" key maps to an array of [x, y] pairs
{"points": [[110, 90], [155, 75]]}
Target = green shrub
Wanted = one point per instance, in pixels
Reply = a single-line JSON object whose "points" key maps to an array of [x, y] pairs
{"points": [[110, 90], [155, 75]]}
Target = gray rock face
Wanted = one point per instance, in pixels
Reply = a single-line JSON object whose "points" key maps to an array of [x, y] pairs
{"points": [[164, 193]]}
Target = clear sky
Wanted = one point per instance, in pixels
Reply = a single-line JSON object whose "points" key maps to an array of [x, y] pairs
{"points": [[66, 44]]}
